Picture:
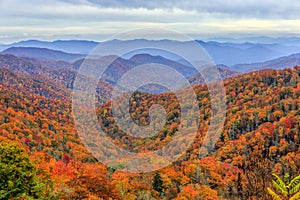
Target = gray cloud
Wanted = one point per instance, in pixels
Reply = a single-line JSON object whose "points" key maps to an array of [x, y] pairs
{"points": [[85, 18], [238, 8]]}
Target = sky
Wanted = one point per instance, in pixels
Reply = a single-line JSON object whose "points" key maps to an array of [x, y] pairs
{"points": [[100, 19]]}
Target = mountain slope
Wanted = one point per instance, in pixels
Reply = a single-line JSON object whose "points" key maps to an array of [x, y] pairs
{"points": [[35, 85], [224, 72], [279, 63], [147, 58], [63, 75]]}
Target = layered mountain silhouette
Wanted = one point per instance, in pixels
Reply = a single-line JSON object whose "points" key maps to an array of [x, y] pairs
{"points": [[227, 53], [64, 73], [61, 67]]}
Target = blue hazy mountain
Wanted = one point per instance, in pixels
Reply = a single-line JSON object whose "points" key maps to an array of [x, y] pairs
{"points": [[42, 53], [222, 53], [70, 46], [227, 53], [278, 63], [286, 41]]}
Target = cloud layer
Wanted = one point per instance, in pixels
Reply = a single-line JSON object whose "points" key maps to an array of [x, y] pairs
{"points": [[97, 19], [238, 8]]}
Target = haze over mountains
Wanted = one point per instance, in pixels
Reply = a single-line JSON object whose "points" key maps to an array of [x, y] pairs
{"points": [[228, 53]]}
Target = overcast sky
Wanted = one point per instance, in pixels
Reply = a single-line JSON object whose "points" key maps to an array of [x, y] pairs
{"points": [[99, 19]]}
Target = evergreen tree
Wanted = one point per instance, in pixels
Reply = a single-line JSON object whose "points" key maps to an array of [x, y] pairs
{"points": [[158, 183]]}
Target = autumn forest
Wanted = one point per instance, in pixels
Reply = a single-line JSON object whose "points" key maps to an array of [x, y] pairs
{"points": [[256, 156]]}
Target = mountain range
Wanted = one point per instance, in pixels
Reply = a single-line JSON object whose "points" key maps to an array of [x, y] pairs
{"points": [[64, 73], [226, 53], [53, 62]]}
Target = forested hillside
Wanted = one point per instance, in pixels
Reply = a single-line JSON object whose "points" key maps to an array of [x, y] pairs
{"points": [[260, 137]]}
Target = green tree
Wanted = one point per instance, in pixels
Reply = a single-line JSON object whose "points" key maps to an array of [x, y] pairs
{"points": [[158, 183], [288, 190], [18, 178]]}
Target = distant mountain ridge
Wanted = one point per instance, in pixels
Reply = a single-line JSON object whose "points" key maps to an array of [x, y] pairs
{"points": [[42, 53], [292, 41], [227, 53], [69, 46], [278, 63]]}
